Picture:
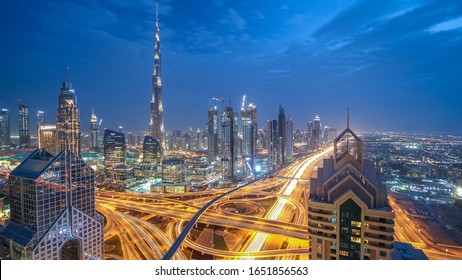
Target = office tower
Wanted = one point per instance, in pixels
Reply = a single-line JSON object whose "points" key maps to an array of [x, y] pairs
{"points": [[5, 139], [156, 125], [113, 149], [151, 150], [348, 212], [131, 139], [309, 135], [249, 137], [48, 138], [212, 133], [23, 128], [94, 131], [187, 141], [272, 144], [289, 140], [317, 133], [198, 140], [173, 171], [40, 118], [228, 143], [262, 138], [281, 135], [53, 211], [67, 123]]}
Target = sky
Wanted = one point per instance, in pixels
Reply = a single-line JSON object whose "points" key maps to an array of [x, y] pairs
{"points": [[397, 64]]}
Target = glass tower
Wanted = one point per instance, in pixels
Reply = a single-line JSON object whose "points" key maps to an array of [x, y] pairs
{"points": [[53, 211], [67, 123], [4, 128], [23, 122]]}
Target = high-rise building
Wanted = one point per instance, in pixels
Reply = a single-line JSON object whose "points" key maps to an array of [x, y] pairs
{"points": [[68, 123], [348, 212], [281, 135], [151, 150], [229, 143], [53, 211], [23, 125], [309, 135], [156, 125], [48, 138], [114, 149], [5, 138], [273, 144], [40, 118], [94, 131], [249, 137], [289, 140], [317, 133]]}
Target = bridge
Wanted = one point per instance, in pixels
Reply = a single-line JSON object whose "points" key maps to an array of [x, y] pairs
{"points": [[291, 178]]}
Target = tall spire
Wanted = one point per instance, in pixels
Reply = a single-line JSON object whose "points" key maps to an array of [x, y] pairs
{"points": [[156, 124], [348, 117]]}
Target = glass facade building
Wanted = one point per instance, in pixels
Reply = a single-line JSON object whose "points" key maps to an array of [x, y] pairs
{"points": [[114, 148], [5, 131], [23, 125], [53, 211]]}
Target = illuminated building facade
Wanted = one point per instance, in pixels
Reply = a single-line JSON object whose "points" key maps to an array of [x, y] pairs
{"points": [[5, 136], [156, 125], [281, 135], [23, 125], [94, 131], [272, 144], [289, 140], [68, 124], [173, 171], [114, 149], [229, 143], [249, 137], [40, 118], [48, 138], [53, 212], [151, 150], [212, 133], [317, 133], [348, 213]]}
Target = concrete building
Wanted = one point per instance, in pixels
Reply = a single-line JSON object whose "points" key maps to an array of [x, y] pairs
{"points": [[348, 212], [48, 138]]}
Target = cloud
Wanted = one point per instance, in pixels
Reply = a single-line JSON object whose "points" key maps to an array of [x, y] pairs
{"points": [[234, 20], [452, 24]]}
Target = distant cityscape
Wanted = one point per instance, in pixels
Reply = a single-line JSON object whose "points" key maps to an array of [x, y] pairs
{"points": [[229, 190]]}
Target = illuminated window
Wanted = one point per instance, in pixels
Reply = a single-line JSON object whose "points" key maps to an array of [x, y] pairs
{"points": [[355, 231], [355, 224], [344, 253], [355, 239]]}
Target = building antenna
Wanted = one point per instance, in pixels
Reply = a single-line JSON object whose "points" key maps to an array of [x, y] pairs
{"points": [[348, 117], [67, 75]]}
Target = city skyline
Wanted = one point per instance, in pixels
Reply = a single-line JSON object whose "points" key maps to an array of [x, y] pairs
{"points": [[361, 55]]}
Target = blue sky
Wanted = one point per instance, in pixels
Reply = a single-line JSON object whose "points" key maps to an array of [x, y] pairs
{"points": [[395, 63]]}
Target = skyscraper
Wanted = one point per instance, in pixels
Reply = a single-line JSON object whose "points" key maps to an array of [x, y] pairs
{"points": [[151, 150], [309, 135], [273, 144], [23, 125], [229, 143], [156, 125], [94, 131], [53, 211], [212, 133], [67, 123], [40, 118], [317, 133], [249, 137], [48, 139], [281, 135], [348, 212], [4, 128], [289, 140], [114, 149]]}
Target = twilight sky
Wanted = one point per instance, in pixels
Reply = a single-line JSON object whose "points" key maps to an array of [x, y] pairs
{"points": [[397, 63]]}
